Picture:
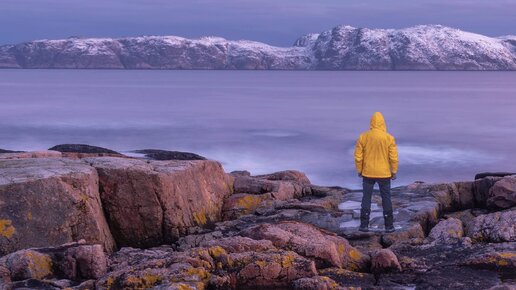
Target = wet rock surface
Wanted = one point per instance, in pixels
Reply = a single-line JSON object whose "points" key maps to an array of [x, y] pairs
{"points": [[186, 224]]}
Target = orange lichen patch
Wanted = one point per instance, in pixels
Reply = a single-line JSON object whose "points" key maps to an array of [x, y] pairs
{"points": [[6, 229], [330, 283], [109, 282], [84, 198], [182, 286], [249, 202], [217, 251], [288, 260], [505, 258], [341, 249], [198, 273], [507, 255], [144, 282], [29, 216], [501, 259], [355, 255], [39, 265], [200, 218], [261, 263]]}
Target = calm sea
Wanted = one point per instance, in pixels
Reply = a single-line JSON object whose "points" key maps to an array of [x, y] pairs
{"points": [[448, 125]]}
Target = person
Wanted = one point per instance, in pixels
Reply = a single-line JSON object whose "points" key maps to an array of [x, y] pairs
{"points": [[376, 160]]}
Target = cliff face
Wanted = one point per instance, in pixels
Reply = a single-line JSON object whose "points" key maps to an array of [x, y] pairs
{"points": [[427, 47], [89, 221]]}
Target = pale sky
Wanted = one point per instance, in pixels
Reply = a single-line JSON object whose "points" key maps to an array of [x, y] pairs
{"points": [[277, 22]]}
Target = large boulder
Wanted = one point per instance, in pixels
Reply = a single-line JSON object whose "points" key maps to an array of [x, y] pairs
{"points": [[49, 202], [149, 203], [287, 175], [325, 248], [412, 231], [384, 261], [447, 231], [481, 188], [242, 204], [503, 193], [494, 227], [74, 261], [450, 196], [27, 264], [279, 189]]}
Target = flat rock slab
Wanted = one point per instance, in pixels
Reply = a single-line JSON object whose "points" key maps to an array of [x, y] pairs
{"points": [[33, 154], [48, 202]]}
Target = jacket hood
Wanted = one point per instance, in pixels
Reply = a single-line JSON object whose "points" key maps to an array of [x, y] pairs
{"points": [[378, 122]]}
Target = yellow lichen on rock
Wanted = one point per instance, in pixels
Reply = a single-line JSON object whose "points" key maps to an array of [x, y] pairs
{"points": [[355, 255], [249, 202], [144, 282], [200, 218], [261, 263], [288, 260], [109, 282], [330, 283], [7, 230], [341, 249], [183, 286], [39, 265], [217, 251], [200, 273]]}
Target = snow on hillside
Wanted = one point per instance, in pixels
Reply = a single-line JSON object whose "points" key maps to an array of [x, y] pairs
{"points": [[424, 47]]}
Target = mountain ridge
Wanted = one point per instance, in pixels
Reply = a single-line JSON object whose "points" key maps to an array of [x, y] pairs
{"points": [[422, 47]]}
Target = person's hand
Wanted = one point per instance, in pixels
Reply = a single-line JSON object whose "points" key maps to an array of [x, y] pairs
{"points": [[360, 174], [393, 176]]}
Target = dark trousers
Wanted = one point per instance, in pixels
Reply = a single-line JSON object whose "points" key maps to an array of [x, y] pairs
{"points": [[385, 191]]}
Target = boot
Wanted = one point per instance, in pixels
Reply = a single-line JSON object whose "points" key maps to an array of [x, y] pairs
{"points": [[364, 221], [389, 222]]}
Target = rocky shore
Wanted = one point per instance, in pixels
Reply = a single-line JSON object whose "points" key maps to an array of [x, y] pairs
{"points": [[80, 217]]}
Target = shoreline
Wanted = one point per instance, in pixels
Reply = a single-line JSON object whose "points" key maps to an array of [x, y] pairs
{"points": [[88, 217]]}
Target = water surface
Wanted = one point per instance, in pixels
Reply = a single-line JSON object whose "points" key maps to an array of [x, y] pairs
{"points": [[448, 125]]}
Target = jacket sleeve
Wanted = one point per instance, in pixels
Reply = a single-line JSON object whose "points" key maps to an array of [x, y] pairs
{"points": [[393, 155], [359, 154]]}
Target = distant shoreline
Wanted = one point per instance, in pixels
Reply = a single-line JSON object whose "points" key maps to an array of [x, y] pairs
{"points": [[342, 48]]}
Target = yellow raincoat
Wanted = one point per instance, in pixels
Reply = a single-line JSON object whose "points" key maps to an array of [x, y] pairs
{"points": [[376, 155]]}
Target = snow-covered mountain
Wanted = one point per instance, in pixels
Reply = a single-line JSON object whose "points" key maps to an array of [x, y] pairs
{"points": [[426, 47]]}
